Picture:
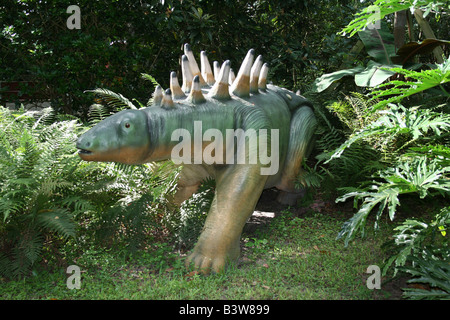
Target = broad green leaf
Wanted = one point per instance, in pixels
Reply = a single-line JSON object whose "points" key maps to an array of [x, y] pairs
{"points": [[379, 43], [326, 80], [374, 75]]}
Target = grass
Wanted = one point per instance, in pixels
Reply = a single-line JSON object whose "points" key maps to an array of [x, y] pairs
{"points": [[289, 258]]}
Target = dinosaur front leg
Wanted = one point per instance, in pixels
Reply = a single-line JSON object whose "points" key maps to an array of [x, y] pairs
{"points": [[191, 176], [238, 189]]}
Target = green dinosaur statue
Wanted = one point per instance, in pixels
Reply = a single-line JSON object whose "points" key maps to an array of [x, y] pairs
{"points": [[270, 122]]}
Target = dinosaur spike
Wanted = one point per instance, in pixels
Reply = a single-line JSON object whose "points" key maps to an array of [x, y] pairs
{"points": [[263, 77], [206, 69], [157, 96], [216, 67], [220, 89], [175, 86], [193, 64], [187, 74], [254, 74], [231, 77], [167, 101], [196, 95], [241, 85]]}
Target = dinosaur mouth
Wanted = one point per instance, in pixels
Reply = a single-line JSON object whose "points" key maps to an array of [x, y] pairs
{"points": [[84, 152]]}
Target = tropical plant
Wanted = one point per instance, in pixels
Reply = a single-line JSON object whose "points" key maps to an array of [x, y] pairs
{"points": [[355, 163], [408, 125], [414, 123], [382, 8], [418, 81], [418, 175], [379, 44], [413, 235], [432, 271]]}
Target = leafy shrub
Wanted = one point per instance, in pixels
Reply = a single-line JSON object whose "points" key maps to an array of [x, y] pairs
{"points": [[49, 196], [418, 175], [356, 163], [37, 162]]}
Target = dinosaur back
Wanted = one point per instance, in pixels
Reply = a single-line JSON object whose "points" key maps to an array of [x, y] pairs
{"points": [[200, 84]]}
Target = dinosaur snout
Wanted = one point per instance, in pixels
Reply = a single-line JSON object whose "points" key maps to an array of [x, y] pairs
{"points": [[84, 147]]}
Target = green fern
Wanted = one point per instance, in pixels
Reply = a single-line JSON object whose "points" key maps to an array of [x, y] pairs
{"points": [[116, 101], [190, 219], [97, 112], [36, 156], [355, 164], [152, 79], [155, 83]]}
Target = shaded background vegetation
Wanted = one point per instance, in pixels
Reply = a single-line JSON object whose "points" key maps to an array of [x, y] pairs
{"points": [[119, 40]]}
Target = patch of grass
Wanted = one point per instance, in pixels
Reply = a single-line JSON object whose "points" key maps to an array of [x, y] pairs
{"points": [[290, 257]]}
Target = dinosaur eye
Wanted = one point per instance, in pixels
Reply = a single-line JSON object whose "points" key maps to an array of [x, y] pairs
{"points": [[127, 125]]}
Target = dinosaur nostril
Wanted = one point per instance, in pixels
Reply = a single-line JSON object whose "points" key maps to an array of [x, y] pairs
{"points": [[88, 144]]}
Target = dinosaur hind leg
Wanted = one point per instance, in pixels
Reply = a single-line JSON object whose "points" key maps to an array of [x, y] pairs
{"points": [[301, 140]]}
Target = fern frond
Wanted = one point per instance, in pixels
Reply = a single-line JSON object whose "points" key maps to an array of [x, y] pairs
{"points": [[57, 220], [32, 246], [155, 83], [6, 268], [45, 117], [112, 99], [97, 113], [152, 79]]}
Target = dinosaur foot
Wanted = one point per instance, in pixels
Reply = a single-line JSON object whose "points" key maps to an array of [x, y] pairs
{"points": [[206, 261]]}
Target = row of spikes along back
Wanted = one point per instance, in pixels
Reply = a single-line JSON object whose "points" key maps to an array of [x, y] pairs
{"points": [[251, 78]]}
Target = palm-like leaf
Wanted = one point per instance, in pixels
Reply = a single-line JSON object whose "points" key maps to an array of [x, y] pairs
{"points": [[420, 81], [418, 175], [379, 10], [400, 120]]}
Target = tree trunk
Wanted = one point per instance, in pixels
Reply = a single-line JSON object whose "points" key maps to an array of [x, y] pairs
{"points": [[409, 20], [429, 34], [399, 28]]}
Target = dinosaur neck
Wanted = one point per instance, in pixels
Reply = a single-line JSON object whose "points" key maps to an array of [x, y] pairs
{"points": [[168, 127]]}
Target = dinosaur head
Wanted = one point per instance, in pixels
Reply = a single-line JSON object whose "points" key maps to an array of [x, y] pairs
{"points": [[122, 137]]}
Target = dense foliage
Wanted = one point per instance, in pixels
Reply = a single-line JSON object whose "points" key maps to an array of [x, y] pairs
{"points": [[119, 40], [48, 195], [405, 121], [383, 109]]}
